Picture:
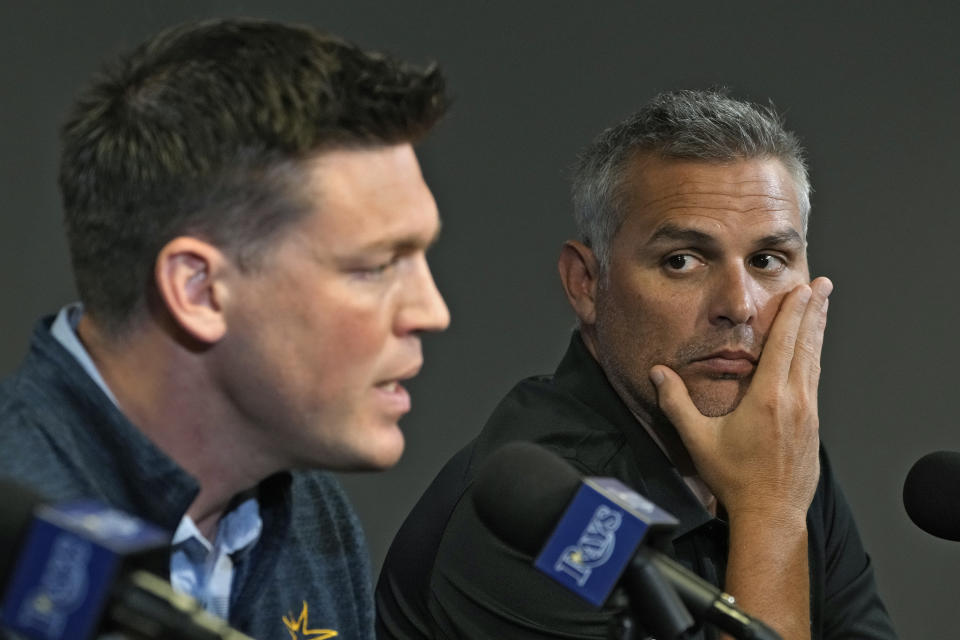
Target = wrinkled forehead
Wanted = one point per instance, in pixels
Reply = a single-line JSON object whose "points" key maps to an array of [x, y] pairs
{"points": [[746, 192]]}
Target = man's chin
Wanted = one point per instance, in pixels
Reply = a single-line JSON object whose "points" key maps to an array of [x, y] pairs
{"points": [[717, 398], [383, 452], [380, 450]]}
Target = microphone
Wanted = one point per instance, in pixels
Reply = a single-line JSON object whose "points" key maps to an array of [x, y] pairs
{"points": [[80, 569], [931, 494], [586, 529]]}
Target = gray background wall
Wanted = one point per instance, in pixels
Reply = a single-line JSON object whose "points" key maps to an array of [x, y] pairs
{"points": [[871, 87]]}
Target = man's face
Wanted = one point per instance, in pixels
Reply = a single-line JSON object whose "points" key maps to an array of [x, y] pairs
{"points": [[697, 272], [324, 334]]}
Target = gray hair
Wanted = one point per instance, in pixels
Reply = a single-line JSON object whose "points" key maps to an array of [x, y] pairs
{"points": [[691, 125]]}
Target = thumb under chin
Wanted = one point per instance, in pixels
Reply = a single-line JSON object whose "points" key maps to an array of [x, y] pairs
{"points": [[673, 397]]}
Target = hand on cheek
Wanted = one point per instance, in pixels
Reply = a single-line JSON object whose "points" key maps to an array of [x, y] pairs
{"points": [[762, 458]]}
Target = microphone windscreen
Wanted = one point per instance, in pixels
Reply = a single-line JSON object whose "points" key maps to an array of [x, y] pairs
{"points": [[18, 506], [931, 494], [521, 492]]}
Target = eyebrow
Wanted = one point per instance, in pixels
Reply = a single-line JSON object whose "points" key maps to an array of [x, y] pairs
{"points": [[672, 232], [404, 243], [682, 234], [786, 237]]}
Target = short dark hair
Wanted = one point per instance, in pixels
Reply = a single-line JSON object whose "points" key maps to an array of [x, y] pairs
{"points": [[704, 125], [205, 130]]}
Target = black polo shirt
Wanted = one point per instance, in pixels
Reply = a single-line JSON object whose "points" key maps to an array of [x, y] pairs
{"points": [[447, 576]]}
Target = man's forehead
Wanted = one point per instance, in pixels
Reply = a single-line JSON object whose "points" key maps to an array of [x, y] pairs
{"points": [[650, 180], [664, 196], [343, 173], [370, 199]]}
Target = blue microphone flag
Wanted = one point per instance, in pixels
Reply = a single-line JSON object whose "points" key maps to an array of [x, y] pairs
{"points": [[597, 536], [69, 561]]}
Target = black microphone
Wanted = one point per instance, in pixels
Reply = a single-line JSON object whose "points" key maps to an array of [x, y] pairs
{"points": [[534, 501], [931, 494], [81, 570]]}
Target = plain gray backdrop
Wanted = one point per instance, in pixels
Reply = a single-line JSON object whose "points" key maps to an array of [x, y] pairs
{"points": [[872, 88]]}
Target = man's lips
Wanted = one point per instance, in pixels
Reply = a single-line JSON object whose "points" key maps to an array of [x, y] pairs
{"points": [[405, 374], [395, 394], [727, 362], [731, 354]]}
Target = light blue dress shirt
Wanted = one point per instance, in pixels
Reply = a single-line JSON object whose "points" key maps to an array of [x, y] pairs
{"points": [[198, 568]]}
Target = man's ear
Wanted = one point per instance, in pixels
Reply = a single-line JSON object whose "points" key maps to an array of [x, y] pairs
{"points": [[580, 274], [189, 275]]}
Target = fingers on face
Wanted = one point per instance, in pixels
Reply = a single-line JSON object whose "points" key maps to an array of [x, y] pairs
{"points": [[779, 349], [809, 343], [796, 338]]}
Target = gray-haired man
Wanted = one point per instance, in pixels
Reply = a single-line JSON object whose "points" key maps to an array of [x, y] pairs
{"points": [[693, 378]]}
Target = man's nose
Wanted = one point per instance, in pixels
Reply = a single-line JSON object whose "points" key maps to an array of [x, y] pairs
{"points": [[423, 308], [734, 297]]}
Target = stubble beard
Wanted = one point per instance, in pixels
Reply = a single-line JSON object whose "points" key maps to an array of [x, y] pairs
{"points": [[641, 396]]}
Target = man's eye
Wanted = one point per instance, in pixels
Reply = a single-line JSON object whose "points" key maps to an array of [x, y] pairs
{"points": [[682, 262], [768, 262], [373, 272]]}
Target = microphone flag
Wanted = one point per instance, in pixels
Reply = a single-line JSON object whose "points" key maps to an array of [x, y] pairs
{"points": [[70, 559], [597, 536]]}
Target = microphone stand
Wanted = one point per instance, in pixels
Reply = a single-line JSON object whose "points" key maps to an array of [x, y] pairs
{"points": [[652, 603], [661, 596]]}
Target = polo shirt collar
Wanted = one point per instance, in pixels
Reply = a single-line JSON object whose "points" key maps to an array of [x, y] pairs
{"points": [[580, 375]]}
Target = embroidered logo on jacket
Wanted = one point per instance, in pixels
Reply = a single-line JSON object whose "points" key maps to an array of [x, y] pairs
{"points": [[299, 629]]}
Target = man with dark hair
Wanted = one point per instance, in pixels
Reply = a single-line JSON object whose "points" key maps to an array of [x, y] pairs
{"points": [[692, 378], [248, 227]]}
